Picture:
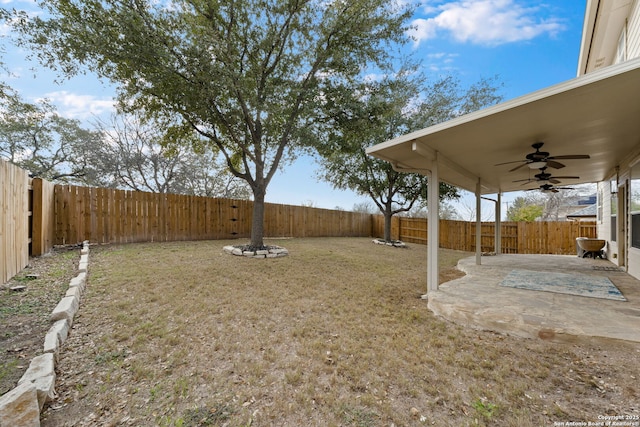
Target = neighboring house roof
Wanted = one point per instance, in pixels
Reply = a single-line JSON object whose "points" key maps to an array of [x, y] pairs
{"points": [[588, 212], [595, 114], [590, 200]]}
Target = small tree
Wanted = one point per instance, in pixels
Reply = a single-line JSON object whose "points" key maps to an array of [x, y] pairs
{"points": [[364, 207], [448, 211], [525, 209]]}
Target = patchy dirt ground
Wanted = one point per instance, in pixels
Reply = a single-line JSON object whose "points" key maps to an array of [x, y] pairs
{"points": [[181, 334], [24, 315]]}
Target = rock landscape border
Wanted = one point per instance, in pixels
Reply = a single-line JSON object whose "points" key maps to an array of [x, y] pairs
{"points": [[21, 406], [270, 251], [394, 243]]}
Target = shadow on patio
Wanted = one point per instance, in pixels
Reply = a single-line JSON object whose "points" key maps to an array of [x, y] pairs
{"points": [[478, 300]]}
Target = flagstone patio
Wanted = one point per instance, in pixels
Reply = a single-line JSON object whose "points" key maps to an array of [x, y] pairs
{"points": [[478, 300]]}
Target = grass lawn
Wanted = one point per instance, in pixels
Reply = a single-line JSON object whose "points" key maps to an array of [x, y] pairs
{"points": [[182, 334]]}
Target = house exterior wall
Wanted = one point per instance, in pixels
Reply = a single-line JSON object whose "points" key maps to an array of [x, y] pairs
{"points": [[634, 262], [603, 221], [633, 182], [633, 32], [628, 47], [629, 257], [633, 51]]}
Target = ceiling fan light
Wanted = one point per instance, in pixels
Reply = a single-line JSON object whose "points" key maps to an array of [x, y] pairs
{"points": [[537, 165]]}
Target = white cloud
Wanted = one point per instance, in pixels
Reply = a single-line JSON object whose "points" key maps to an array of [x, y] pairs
{"points": [[443, 57], [5, 29], [79, 107], [441, 62], [485, 22], [423, 29]]}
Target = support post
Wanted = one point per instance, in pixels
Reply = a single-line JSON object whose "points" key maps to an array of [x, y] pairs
{"points": [[498, 231], [433, 236], [478, 223]]}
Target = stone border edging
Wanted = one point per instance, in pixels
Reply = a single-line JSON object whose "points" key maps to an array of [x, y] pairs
{"points": [[21, 406], [394, 243], [269, 252]]}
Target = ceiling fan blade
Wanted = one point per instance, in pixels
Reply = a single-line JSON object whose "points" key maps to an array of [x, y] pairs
{"points": [[571, 156], [509, 163], [517, 167], [566, 177], [554, 181], [525, 180], [555, 165], [543, 158]]}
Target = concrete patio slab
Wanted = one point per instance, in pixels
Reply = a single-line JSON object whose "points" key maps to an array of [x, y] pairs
{"points": [[477, 300]]}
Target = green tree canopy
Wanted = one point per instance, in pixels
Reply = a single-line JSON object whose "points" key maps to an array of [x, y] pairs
{"points": [[248, 75], [129, 153], [382, 110], [525, 209], [36, 138]]}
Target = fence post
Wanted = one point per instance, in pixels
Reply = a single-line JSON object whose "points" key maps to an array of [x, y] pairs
{"points": [[36, 218]]}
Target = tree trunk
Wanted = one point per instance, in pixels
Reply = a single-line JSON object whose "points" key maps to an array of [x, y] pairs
{"points": [[387, 225], [257, 220]]}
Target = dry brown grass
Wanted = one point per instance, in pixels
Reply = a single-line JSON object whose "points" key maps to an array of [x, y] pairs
{"points": [[24, 316], [181, 334]]}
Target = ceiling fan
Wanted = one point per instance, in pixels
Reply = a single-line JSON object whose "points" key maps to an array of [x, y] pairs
{"points": [[545, 176], [550, 188], [540, 159]]}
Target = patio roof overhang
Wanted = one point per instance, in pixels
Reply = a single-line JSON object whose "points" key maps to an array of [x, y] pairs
{"points": [[596, 114]]}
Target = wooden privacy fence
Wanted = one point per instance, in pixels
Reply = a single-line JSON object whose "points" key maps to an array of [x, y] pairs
{"points": [[43, 216], [36, 214], [15, 214], [117, 216], [542, 237]]}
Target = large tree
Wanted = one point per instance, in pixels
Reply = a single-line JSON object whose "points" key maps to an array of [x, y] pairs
{"points": [[126, 153], [383, 110], [36, 138], [248, 75], [149, 156]]}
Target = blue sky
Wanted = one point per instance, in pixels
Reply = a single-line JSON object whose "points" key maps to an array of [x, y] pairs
{"points": [[527, 44]]}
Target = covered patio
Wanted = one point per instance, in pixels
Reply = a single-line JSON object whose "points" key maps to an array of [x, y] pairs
{"points": [[590, 126], [595, 115], [479, 300]]}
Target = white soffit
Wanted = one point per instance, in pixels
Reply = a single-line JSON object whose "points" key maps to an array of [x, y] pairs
{"points": [[596, 114]]}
